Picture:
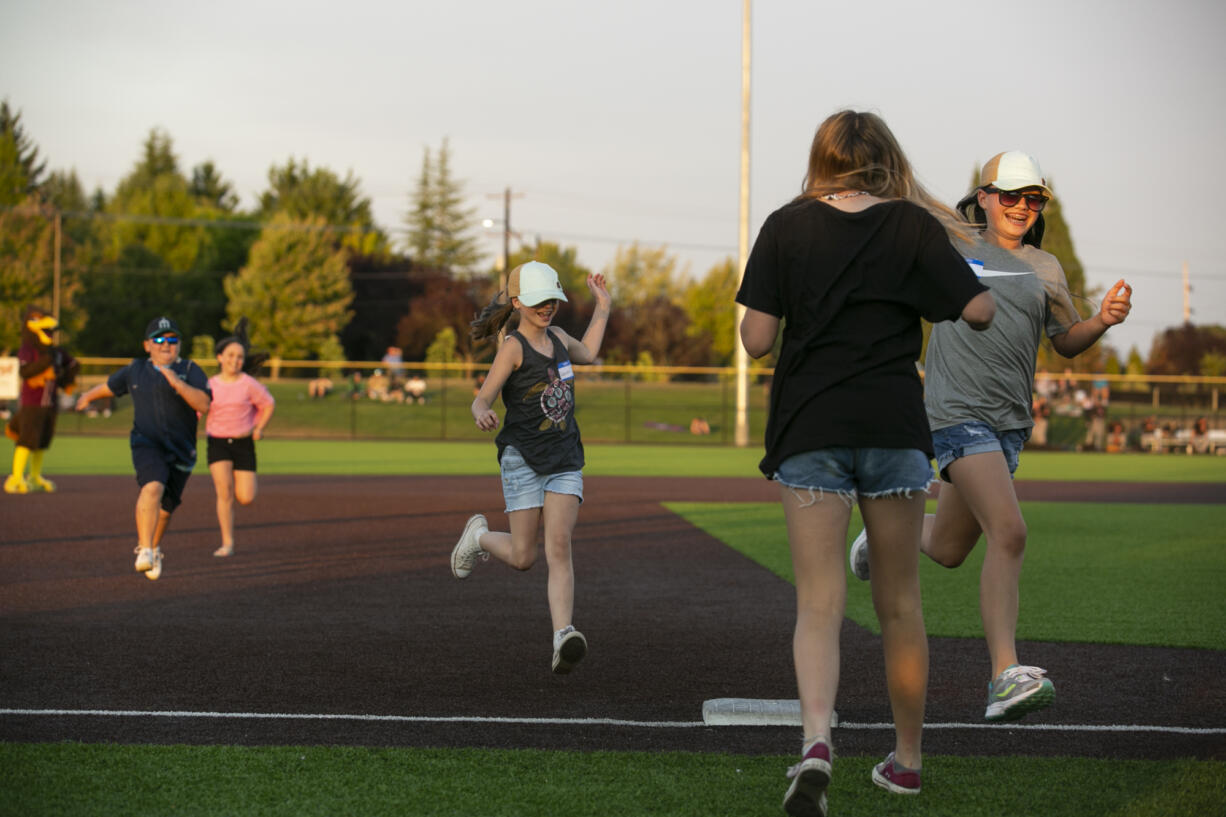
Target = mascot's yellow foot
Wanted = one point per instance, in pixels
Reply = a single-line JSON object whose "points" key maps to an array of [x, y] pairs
{"points": [[16, 485], [41, 484]]}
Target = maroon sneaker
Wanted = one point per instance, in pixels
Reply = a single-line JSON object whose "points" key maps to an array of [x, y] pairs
{"points": [[899, 779], [806, 796]]}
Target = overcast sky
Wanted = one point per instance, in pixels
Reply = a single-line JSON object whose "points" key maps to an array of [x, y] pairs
{"points": [[616, 122]]}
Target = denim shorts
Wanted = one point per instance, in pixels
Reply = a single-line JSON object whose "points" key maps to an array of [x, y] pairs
{"points": [[852, 472], [523, 488], [964, 439]]}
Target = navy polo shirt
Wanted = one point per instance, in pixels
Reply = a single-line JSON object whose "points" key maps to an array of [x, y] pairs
{"points": [[162, 418]]}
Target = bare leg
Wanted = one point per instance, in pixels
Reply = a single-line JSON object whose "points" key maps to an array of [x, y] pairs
{"points": [[561, 514], [983, 490], [517, 548], [148, 510], [223, 484], [245, 487], [894, 525], [817, 529]]}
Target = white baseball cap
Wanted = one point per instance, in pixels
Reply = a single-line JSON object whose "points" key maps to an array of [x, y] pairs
{"points": [[534, 282], [1013, 170]]}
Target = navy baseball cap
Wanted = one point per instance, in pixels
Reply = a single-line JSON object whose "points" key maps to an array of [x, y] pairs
{"points": [[161, 326]]}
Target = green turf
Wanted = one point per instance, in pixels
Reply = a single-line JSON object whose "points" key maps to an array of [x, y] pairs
{"points": [[72, 454], [1098, 573], [90, 779]]}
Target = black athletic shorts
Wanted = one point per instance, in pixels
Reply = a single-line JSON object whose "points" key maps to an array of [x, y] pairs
{"points": [[239, 450]]}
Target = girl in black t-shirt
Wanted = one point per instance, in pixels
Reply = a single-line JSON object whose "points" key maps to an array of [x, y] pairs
{"points": [[847, 270], [540, 453]]}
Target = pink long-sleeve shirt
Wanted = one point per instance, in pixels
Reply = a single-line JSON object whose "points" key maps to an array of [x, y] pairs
{"points": [[235, 406]]}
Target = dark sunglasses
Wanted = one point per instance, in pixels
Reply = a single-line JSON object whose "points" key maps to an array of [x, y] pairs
{"points": [[1008, 198], [160, 339]]}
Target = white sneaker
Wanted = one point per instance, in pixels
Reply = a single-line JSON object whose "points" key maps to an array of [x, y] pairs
{"points": [[466, 551], [144, 559], [155, 572], [857, 557], [569, 647]]}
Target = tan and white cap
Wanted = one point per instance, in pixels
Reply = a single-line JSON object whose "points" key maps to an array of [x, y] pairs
{"points": [[533, 283], [1013, 170]]}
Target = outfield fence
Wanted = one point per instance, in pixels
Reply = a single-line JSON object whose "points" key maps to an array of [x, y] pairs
{"points": [[690, 405]]}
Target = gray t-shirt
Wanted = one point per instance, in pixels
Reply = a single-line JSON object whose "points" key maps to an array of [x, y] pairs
{"points": [[988, 376]]}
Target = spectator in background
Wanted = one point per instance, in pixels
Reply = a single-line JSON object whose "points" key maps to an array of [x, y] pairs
{"points": [[1095, 415], [377, 385], [319, 387], [1199, 441], [416, 388], [1040, 411], [356, 387], [1117, 441], [394, 361]]}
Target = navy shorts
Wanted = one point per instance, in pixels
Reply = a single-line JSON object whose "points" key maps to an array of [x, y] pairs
{"points": [[964, 439], [155, 465], [239, 450]]}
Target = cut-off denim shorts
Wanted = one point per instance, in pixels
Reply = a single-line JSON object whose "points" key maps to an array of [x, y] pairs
{"points": [[523, 488], [964, 439], [854, 472]]}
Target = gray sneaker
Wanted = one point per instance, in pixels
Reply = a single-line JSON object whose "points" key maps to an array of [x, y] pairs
{"points": [[1018, 691], [466, 551], [569, 647], [857, 557], [155, 570]]}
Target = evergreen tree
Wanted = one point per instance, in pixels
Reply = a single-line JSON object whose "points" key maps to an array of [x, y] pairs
{"points": [[26, 259], [295, 290], [211, 190], [20, 170], [439, 229]]}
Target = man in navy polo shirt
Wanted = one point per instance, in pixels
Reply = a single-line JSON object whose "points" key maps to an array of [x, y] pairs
{"points": [[168, 395]]}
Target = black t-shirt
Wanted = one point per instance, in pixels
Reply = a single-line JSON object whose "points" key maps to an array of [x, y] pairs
{"points": [[540, 420], [850, 289]]}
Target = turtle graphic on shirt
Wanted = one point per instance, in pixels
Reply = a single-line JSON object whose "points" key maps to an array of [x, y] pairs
{"points": [[557, 400]]}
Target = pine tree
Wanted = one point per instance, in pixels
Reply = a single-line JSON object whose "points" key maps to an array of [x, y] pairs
{"points": [[438, 228], [20, 170]]}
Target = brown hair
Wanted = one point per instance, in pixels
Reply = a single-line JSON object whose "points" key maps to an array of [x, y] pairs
{"points": [[493, 318], [857, 151]]}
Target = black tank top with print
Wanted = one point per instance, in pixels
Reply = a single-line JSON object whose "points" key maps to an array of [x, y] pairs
{"points": [[540, 410]]}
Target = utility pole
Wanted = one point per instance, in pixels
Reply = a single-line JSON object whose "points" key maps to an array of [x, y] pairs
{"points": [[1187, 296], [504, 267], [742, 358]]}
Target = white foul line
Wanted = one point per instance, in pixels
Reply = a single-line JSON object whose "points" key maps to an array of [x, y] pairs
{"points": [[1037, 727]]}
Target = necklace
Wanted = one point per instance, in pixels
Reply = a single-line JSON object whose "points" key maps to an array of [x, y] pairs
{"points": [[840, 196]]}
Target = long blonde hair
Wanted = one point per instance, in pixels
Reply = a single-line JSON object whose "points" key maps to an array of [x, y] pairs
{"points": [[855, 150]]}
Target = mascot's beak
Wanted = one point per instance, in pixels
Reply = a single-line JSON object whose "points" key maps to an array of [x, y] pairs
{"points": [[42, 326]]}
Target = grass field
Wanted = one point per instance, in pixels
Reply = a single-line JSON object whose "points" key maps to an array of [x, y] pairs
{"points": [[1152, 565]]}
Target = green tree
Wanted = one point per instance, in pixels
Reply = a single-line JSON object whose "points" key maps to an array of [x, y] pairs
{"points": [[211, 190], [20, 170], [26, 258], [639, 274], [301, 193], [295, 289], [442, 349], [710, 306], [439, 230]]}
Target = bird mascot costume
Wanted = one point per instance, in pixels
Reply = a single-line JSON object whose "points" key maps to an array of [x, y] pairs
{"points": [[45, 370]]}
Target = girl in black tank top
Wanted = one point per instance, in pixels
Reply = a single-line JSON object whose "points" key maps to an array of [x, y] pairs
{"points": [[540, 452]]}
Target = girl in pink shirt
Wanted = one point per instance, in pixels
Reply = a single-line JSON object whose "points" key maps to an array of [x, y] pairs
{"points": [[241, 408]]}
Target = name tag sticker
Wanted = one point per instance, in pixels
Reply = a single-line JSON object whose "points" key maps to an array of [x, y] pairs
{"points": [[976, 266], [565, 372]]}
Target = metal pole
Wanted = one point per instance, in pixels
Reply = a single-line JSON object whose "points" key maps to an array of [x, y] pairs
{"points": [[506, 236], [55, 294], [742, 357]]}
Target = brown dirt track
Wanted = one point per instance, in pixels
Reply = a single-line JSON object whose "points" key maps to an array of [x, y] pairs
{"points": [[339, 601]]}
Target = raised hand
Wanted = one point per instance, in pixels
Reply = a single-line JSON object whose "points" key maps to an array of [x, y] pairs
{"points": [[1117, 304]]}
